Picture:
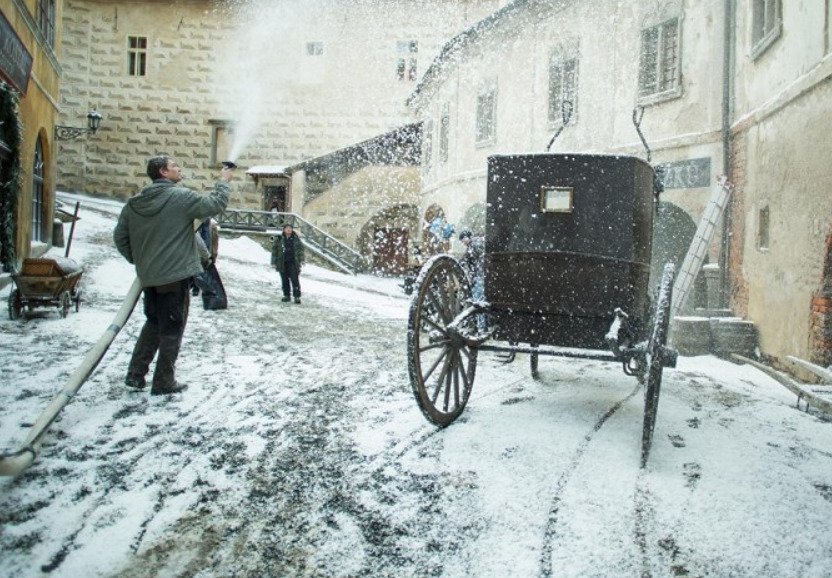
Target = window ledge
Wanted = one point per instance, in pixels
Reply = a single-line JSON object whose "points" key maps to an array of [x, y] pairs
{"points": [[766, 41], [659, 97], [485, 143]]}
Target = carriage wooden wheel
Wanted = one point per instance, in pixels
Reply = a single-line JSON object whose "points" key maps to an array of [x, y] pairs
{"points": [[440, 361], [655, 359], [15, 305]]}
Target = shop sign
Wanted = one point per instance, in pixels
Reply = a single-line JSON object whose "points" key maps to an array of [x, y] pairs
{"points": [[15, 60], [687, 174]]}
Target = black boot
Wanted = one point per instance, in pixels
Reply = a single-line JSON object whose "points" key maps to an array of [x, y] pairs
{"points": [[164, 380], [146, 346]]}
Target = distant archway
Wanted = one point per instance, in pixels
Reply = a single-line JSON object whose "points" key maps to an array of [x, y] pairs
{"points": [[821, 317], [673, 232], [474, 219], [385, 239]]}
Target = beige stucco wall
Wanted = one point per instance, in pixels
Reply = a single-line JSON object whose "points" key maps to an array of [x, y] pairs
{"points": [[38, 111], [346, 208], [207, 64], [607, 34], [780, 118], [784, 118]]}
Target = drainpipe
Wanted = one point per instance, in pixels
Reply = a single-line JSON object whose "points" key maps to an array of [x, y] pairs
{"points": [[729, 25]]}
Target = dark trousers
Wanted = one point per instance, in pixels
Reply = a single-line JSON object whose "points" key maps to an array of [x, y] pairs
{"points": [[289, 279], [166, 309]]}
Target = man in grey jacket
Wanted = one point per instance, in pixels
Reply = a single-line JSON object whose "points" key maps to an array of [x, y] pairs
{"points": [[155, 232]]}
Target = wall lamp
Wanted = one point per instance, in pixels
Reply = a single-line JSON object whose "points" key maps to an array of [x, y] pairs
{"points": [[70, 132]]}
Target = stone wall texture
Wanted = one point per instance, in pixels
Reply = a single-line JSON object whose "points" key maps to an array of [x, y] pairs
{"points": [[251, 68]]}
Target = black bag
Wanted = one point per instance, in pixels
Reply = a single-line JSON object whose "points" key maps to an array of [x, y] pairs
{"points": [[213, 292]]}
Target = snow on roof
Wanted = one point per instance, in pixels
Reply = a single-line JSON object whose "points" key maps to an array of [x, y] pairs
{"points": [[267, 170]]}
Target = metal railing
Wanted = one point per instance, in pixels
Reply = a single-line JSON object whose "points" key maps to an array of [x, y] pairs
{"points": [[324, 244]]}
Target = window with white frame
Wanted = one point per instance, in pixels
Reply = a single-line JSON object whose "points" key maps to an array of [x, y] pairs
{"points": [[444, 132], [314, 48], [137, 55], [427, 146], [407, 60], [563, 85], [660, 62], [766, 25], [486, 130]]}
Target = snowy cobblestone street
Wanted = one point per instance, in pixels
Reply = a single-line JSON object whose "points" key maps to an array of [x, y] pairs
{"points": [[298, 450]]}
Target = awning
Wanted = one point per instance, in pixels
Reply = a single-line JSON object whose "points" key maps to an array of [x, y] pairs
{"points": [[267, 171]]}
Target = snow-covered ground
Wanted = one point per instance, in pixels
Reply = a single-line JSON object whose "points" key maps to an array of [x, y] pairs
{"points": [[298, 450]]}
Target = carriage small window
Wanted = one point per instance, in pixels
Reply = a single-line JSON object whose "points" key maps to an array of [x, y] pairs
{"points": [[556, 199]]}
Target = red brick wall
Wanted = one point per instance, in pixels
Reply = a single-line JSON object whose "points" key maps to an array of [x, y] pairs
{"points": [[737, 285], [820, 330]]}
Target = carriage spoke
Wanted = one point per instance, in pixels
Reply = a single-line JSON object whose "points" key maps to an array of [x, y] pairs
{"points": [[457, 370], [435, 365], [464, 373], [434, 345], [439, 308], [448, 379], [438, 327], [441, 380]]}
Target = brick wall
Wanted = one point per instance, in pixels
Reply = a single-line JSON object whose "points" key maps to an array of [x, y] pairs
{"points": [[820, 320], [737, 284]]}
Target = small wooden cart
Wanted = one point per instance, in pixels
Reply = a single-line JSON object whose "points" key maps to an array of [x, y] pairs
{"points": [[46, 283]]}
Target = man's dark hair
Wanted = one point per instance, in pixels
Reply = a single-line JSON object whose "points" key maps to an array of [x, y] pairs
{"points": [[155, 165]]}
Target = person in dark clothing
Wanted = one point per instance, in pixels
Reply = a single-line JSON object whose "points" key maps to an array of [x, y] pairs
{"points": [[473, 262], [209, 281], [155, 233], [287, 258]]}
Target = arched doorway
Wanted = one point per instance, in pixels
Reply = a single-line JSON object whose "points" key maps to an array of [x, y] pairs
{"points": [[673, 232], [474, 219], [385, 239], [821, 316]]}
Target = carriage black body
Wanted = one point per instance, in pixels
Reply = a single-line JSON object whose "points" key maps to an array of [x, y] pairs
{"points": [[567, 273], [555, 277]]}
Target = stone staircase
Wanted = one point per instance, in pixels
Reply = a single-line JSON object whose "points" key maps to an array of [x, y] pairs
{"points": [[324, 245]]}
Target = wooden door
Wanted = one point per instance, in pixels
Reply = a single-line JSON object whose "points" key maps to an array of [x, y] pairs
{"points": [[390, 250]]}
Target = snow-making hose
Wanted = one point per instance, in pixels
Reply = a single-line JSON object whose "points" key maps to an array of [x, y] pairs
{"points": [[14, 463]]}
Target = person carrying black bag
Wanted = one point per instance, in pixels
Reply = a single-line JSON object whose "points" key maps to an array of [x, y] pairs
{"points": [[287, 259], [209, 281]]}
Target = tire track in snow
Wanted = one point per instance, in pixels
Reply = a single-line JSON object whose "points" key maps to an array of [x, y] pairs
{"points": [[550, 530]]}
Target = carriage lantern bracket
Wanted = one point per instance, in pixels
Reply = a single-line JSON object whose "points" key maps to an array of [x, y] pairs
{"points": [[71, 132], [566, 108], [658, 180]]}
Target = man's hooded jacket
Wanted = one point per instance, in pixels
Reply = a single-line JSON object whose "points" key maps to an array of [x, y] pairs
{"points": [[155, 230]]}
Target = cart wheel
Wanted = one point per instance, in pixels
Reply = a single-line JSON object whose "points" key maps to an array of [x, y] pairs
{"points": [[654, 365], [533, 364], [66, 302], [441, 366], [15, 305]]}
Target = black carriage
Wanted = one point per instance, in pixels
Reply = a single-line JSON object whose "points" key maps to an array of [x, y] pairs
{"points": [[567, 273]]}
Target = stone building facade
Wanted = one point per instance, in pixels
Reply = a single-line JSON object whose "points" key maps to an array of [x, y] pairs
{"points": [[738, 87], [367, 195], [31, 73], [279, 81]]}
